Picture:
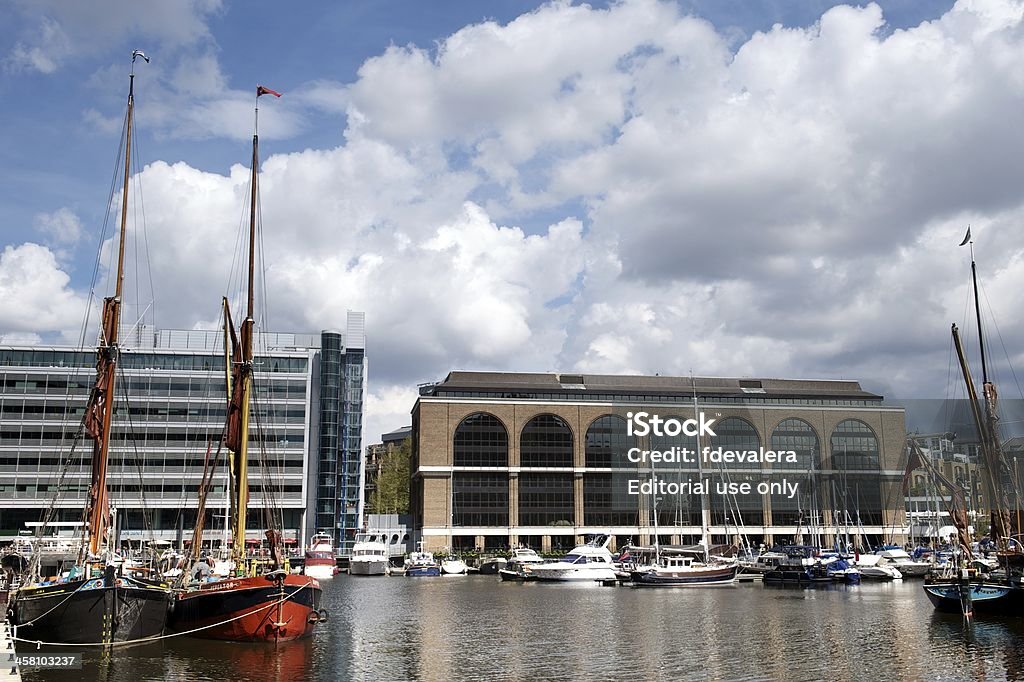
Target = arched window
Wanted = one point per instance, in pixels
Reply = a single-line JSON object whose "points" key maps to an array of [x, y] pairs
{"points": [[607, 442], [738, 435], [480, 441], [800, 437], [855, 456], [854, 446], [546, 441]]}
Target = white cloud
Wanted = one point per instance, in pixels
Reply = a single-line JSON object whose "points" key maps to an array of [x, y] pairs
{"points": [[57, 30], [627, 190], [60, 227], [36, 295]]}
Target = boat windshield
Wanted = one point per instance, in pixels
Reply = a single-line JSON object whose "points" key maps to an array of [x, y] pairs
{"points": [[575, 559]]}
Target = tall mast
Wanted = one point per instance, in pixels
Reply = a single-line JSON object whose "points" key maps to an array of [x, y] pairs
{"points": [[100, 408], [244, 380]]}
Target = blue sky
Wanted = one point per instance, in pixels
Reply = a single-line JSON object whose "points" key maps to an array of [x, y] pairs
{"points": [[729, 187]]}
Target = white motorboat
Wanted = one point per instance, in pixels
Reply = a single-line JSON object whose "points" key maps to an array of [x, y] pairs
{"points": [[520, 565], [370, 556], [902, 562], [454, 567], [589, 562], [320, 561], [491, 565], [872, 568]]}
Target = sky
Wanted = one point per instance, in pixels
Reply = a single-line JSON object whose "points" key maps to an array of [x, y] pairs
{"points": [[724, 188]]}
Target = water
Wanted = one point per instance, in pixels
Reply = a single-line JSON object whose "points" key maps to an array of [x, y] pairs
{"points": [[478, 628]]}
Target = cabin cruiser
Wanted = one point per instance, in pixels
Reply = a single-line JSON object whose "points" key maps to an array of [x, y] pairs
{"points": [[453, 566], [684, 571], [519, 566], [902, 562], [420, 564], [369, 555], [491, 565], [321, 561], [872, 567], [589, 562]]}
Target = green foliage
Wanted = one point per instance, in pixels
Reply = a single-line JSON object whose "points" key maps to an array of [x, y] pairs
{"points": [[392, 494]]}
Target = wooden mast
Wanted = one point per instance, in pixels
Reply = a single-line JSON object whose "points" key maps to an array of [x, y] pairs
{"points": [[243, 380], [101, 400], [997, 471]]}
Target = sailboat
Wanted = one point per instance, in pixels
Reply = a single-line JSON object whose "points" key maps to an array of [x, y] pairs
{"points": [[685, 567], [963, 588], [97, 602], [258, 600]]}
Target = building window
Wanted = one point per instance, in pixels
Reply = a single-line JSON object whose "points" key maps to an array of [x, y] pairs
{"points": [[733, 433], [480, 499], [607, 442], [546, 499], [800, 437], [604, 504], [480, 441], [854, 446], [546, 441]]}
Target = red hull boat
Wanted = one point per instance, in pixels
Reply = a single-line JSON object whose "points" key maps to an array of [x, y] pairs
{"points": [[277, 607]]}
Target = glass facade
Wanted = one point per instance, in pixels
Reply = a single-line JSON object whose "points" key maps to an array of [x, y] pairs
{"points": [[546, 441], [480, 441], [546, 499], [341, 468], [168, 418], [479, 499]]}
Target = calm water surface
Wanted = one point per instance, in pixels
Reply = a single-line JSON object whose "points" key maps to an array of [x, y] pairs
{"points": [[476, 627]]}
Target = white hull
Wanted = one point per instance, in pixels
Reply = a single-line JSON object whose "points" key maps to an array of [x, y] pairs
{"points": [[879, 573], [319, 572], [454, 567], [570, 573], [375, 567]]}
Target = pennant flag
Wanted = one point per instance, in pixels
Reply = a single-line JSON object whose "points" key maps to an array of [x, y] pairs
{"points": [[967, 237], [260, 90]]}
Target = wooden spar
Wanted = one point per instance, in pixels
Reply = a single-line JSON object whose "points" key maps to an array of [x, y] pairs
{"points": [[990, 450], [101, 401], [244, 378]]}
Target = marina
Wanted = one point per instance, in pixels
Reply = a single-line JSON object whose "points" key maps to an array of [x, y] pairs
{"points": [[656, 295], [478, 627]]}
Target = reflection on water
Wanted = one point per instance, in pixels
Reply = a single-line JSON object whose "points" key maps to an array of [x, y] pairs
{"points": [[477, 627]]}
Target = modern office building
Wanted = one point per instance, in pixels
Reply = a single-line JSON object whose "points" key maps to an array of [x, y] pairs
{"points": [[169, 415], [501, 459], [340, 466]]}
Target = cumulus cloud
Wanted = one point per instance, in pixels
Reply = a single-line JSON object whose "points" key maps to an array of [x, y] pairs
{"points": [[36, 295], [628, 189], [56, 30], [59, 227]]}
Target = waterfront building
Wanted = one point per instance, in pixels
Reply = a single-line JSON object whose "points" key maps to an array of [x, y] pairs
{"points": [[170, 411], [501, 459]]}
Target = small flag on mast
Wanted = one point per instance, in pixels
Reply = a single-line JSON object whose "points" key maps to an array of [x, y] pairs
{"points": [[139, 53], [967, 237], [260, 91]]}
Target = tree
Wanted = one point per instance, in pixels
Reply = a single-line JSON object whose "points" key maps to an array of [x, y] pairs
{"points": [[392, 494]]}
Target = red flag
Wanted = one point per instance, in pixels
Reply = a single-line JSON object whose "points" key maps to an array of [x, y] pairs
{"points": [[260, 90]]}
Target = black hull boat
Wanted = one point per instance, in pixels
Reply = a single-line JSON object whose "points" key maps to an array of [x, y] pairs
{"points": [[685, 577], [97, 611], [798, 574]]}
